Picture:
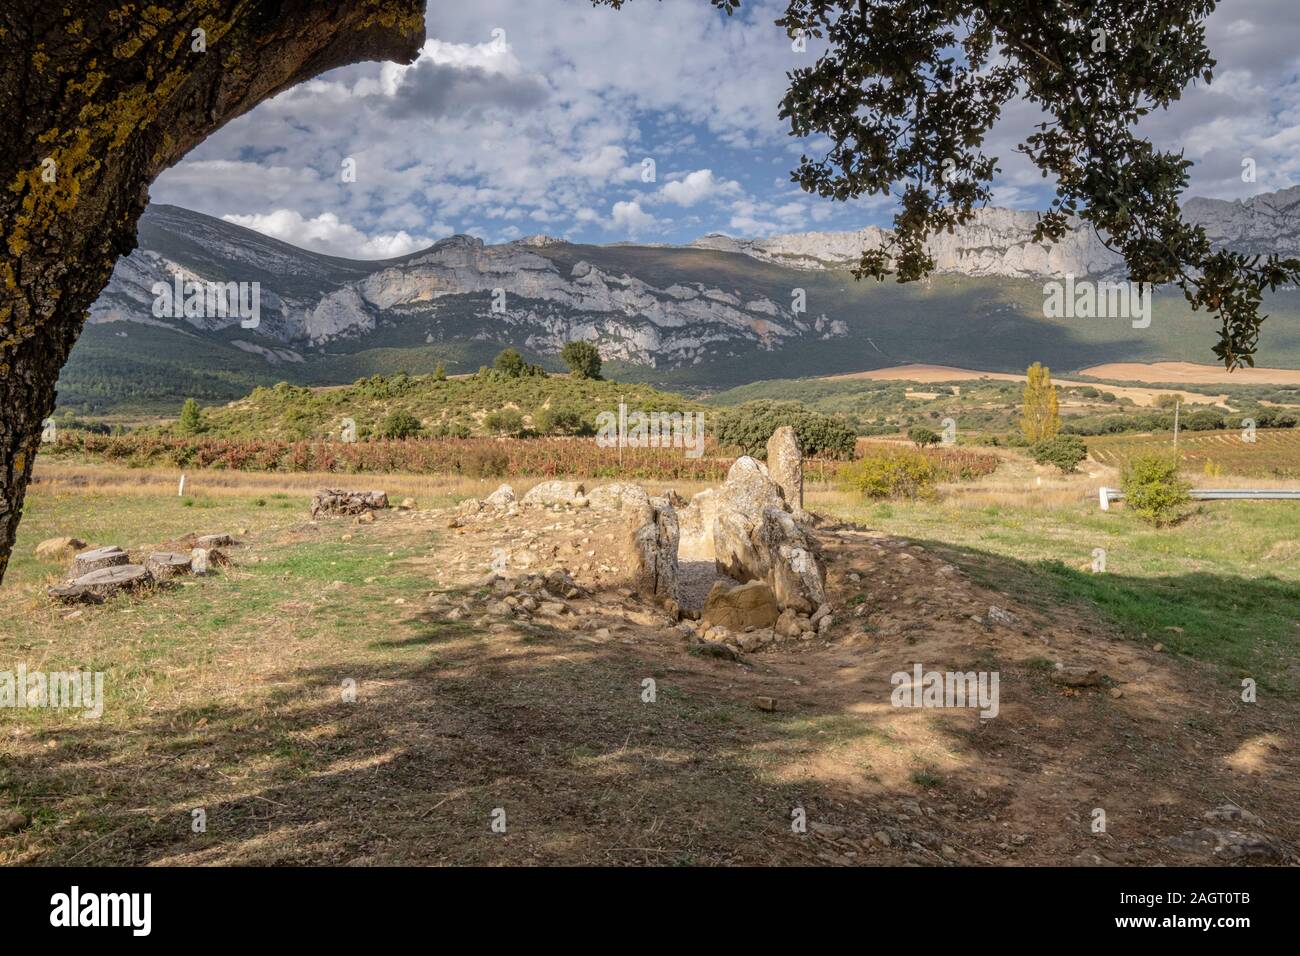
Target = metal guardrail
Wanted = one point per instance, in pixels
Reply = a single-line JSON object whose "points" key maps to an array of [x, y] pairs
{"points": [[1106, 495]]}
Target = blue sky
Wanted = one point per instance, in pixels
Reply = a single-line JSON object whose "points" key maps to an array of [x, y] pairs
{"points": [[537, 116]]}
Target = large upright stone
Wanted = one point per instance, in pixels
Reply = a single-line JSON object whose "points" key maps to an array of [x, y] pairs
{"points": [[696, 523], [795, 571], [651, 543], [785, 465], [739, 505], [740, 607], [756, 539]]}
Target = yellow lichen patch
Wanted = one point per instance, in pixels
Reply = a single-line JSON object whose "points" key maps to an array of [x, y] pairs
{"points": [[387, 17], [44, 202], [89, 86], [130, 47]]}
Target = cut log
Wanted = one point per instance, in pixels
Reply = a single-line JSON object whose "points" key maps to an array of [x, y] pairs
{"points": [[88, 561], [214, 541], [103, 583], [167, 564], [334, 501]]}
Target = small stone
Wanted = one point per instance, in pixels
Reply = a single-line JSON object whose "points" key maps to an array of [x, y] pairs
{"points": [[1158, 648], [765, 703], [1004, 618], [828, 831], [1076, 676], [58, 549]]}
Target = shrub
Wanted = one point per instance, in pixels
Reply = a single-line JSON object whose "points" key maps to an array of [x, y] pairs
{"points": [[1153, 489], [510, 364], [892, 473], [582, 358], [191, 422], [399, 423], [560, 420], [750, 425], [1063, 451], [505, 421], [921, 436]]}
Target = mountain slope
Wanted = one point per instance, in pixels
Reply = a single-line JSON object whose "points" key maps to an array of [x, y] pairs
{"points": [[717, 313]]}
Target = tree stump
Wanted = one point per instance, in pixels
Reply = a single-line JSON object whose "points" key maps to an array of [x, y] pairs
{"points": [[167, 564], [103, 583], [214, 541], [89, 561]]}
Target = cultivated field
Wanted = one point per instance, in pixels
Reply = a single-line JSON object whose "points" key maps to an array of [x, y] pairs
{"points": [[1274, 453], [1190, 373], [1146, 397]]}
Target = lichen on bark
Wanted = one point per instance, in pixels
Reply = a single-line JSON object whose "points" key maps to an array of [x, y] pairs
{"points": [[98, 98]]}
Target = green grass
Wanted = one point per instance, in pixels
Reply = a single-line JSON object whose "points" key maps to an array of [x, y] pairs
{"points": [[1222, 587]]}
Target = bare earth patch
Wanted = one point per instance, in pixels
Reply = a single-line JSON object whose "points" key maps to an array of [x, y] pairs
{"points": [[1192, 373]]}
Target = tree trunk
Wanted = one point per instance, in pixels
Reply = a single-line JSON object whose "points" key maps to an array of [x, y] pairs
{"points": [[96, 99]]}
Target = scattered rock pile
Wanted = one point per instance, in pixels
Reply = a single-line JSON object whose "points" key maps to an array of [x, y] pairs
{"points": [[334, 501], [739, 557]]}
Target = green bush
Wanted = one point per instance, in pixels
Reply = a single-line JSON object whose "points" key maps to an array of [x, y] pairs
{"points": [[1063, 451], [750, 425], [561, 420], [920, 436], [891, 473], [505, 421], [582, 358], [1153, 490], [191, 422], [510, 364], [399, 423]]}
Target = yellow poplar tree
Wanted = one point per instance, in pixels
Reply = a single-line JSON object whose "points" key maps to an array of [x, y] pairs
{"points": [[1041, 418]]}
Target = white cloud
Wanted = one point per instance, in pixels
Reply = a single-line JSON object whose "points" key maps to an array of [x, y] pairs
{"points": [[328, 234], [628, 217], [697, 186], [551, 124]]}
